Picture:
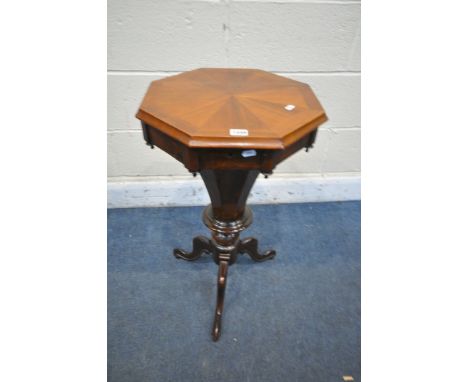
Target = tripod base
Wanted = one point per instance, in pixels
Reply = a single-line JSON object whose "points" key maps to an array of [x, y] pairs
{"points": [[224, 246]]}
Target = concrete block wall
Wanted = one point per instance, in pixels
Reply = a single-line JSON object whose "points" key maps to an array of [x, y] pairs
{"points": [[317, 42]]}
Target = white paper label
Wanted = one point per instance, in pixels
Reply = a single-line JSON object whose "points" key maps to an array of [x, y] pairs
{"points": [[248, 153], [239, 132]]}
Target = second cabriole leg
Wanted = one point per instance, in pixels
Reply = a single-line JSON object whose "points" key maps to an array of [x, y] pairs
{"points": [[201, 244], [250, 246]]}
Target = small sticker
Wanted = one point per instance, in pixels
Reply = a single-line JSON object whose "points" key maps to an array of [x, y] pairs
{"points": [[248, 153], [290, 107], [239, 132]]}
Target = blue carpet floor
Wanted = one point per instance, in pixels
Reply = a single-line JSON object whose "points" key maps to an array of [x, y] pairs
{"points": [[295, 318]]}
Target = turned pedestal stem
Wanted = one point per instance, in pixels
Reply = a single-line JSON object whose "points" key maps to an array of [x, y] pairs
{"points": [[226, 217]]}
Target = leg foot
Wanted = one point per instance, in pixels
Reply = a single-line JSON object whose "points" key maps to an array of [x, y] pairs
{"points": [[201, 244], [222, 281], [250, 246]]}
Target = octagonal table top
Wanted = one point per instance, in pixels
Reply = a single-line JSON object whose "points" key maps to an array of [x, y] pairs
{"points": [[231, 108]]}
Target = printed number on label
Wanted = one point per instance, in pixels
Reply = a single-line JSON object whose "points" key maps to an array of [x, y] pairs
{"points": [[239, 132]]}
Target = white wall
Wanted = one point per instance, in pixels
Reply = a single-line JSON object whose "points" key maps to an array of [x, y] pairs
{"points": [[317, 42]]}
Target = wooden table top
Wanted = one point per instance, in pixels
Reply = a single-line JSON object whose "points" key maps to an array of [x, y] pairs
{"points": [[231, 108]]}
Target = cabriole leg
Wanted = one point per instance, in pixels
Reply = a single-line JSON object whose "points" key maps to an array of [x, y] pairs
{"points": [[222, 281], [250, 246], [201, 244]]}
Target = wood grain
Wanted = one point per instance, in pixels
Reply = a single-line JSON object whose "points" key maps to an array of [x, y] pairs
{"points": [[200, 107]]}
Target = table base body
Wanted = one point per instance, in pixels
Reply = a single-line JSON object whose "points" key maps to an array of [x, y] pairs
{"points": [[224, 245]]}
